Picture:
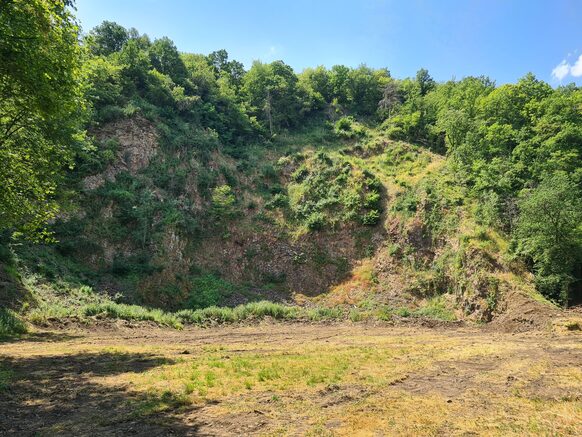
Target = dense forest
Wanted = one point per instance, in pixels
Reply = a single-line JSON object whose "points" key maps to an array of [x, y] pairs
{"points": [[235, 155]]}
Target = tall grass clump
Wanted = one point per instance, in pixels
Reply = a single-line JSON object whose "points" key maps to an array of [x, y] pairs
{"points": [[252, 310], [436, 308], [262, 309], [132, 312], [323, 313], [10, 324], [46, 312]]}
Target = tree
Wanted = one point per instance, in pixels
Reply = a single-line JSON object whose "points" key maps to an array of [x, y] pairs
{"points": [[455, 123], [41, 108], [338, 79], [165, 58], [135, 63], [390, 98], [107, 38], [425, 82], [364, 89], [549, 233], [315, 88], [232, 70], [272, 94]]}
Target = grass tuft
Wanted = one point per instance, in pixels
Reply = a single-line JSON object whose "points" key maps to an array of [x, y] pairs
{"points": [[10, 323], [132, 312]]}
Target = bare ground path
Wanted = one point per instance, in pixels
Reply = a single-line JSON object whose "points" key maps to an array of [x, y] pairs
{"points": [[292, 379]]}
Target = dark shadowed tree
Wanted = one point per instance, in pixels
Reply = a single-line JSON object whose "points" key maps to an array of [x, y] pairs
{"points": [[425, 82], [549, 231]]}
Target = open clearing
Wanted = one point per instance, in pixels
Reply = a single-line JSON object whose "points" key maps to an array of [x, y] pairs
{"points": [[292, 379]]}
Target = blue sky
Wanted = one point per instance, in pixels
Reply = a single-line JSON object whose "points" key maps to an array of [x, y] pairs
{"points": [[503, 39]]}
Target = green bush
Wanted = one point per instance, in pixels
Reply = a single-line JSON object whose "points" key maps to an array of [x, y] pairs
{"points": [[328, 191], [208, 290], [315, 221], [371, 218], [347, 127], [223, 201], [356, 315], [402, 312], [372, 200], [300, 174], [279, 200]]}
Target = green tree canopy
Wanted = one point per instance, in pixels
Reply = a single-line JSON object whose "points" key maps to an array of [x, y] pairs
{"points": [[40, 107], [549, 231]]}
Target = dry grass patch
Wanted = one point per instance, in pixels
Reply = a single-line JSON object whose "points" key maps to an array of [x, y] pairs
{"points": [[315, 380]]}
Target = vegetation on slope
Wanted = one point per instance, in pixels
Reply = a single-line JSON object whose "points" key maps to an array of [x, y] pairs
{"points": [[200, 183]]}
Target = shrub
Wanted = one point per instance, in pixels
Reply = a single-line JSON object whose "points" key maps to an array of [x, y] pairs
{"points": [[223, 201], [371, 218], [208, 290], [315, 221], [329, 191], [402, 312], [347, 127], [344, 124], [300, 174], [372, 200], [279, 200]]}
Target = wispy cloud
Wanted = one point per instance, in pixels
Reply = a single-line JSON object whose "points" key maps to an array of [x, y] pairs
{"points": [[576, 69], [561, 70], [564, 69]]}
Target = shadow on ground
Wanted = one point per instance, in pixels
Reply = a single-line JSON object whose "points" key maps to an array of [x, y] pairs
{"points": [[39, 337], [56, 395]]}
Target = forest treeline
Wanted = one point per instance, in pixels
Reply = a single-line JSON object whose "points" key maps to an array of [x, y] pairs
{"points": [[517, 148]]}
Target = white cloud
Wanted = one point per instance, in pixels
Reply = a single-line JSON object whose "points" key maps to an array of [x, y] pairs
{"points": [[564, 69], [561, 70], [576, 69]]}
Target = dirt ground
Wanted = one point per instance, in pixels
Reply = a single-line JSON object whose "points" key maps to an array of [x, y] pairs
{"points": [[292, 379]]}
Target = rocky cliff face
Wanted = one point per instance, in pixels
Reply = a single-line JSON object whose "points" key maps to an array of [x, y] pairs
{"points": [[137, 142], [402, 260]]}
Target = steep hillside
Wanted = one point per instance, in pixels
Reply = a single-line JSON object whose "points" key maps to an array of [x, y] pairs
{"points": [[311, 218]]}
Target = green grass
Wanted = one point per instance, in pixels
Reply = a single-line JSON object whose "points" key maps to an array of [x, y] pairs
{"points": [[324, 313], [10, 323], [253, 311], [436, 308], [60, 301], [5, 378], [132, 312], [249, 311]]}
